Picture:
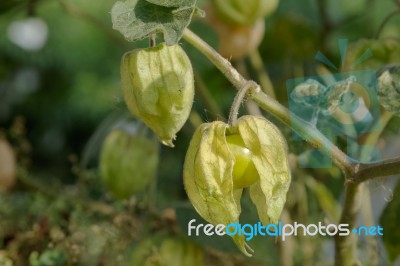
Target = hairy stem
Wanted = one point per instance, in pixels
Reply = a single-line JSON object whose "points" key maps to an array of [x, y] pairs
{"points": [[221, 63], [303, 128], [251, 107], [237, 102], [385, 21]]}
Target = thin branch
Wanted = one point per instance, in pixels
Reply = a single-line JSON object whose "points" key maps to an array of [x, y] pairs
{"points": [[303, 128], [385, 21], [383, 168], [221, 63], [365, 156], [366, 209], [237, 102], [345, 246], [251, 107]]}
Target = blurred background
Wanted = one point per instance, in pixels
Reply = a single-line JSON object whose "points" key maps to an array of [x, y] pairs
{"points": [[60, 96]]}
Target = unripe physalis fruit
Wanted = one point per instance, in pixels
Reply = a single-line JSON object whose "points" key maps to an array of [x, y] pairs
{"points": [[244, 172], [168, 251], [241, 12], [236, 41], [222, 160], [7, 165], [389, 89], [128, 162], [158, 88]]}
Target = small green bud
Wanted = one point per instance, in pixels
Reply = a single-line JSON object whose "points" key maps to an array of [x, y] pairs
{"points": [[244, 12], [158, 88], [389, 89], [128, 162], [221, 160]]}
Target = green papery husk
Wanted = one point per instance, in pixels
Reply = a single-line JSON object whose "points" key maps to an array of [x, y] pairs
{"points": [[128, 162], [266, 143], [207, 176], [158, 88], [208, 171]]}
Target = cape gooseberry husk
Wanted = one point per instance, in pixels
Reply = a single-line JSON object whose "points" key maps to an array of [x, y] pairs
{"points": [[222, 160], [239, 12], [236, 41], [158, 88], [128, 162]]}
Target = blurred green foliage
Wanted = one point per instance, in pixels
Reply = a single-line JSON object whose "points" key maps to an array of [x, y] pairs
{"points": [[53, 104]]}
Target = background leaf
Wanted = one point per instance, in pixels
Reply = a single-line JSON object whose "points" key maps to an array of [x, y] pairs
{"points": [[138, 19]]}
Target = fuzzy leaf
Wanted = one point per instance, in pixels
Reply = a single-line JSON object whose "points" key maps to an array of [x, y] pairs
{"points": [[269, 148], [138, 19]]}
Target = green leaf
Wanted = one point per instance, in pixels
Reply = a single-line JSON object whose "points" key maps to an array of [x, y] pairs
{"points": [[138, 19], [389, 222], [172, 3], [50, 257]]}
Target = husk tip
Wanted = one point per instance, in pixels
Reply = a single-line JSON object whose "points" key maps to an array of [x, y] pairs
{"points": [[168, 142]]}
